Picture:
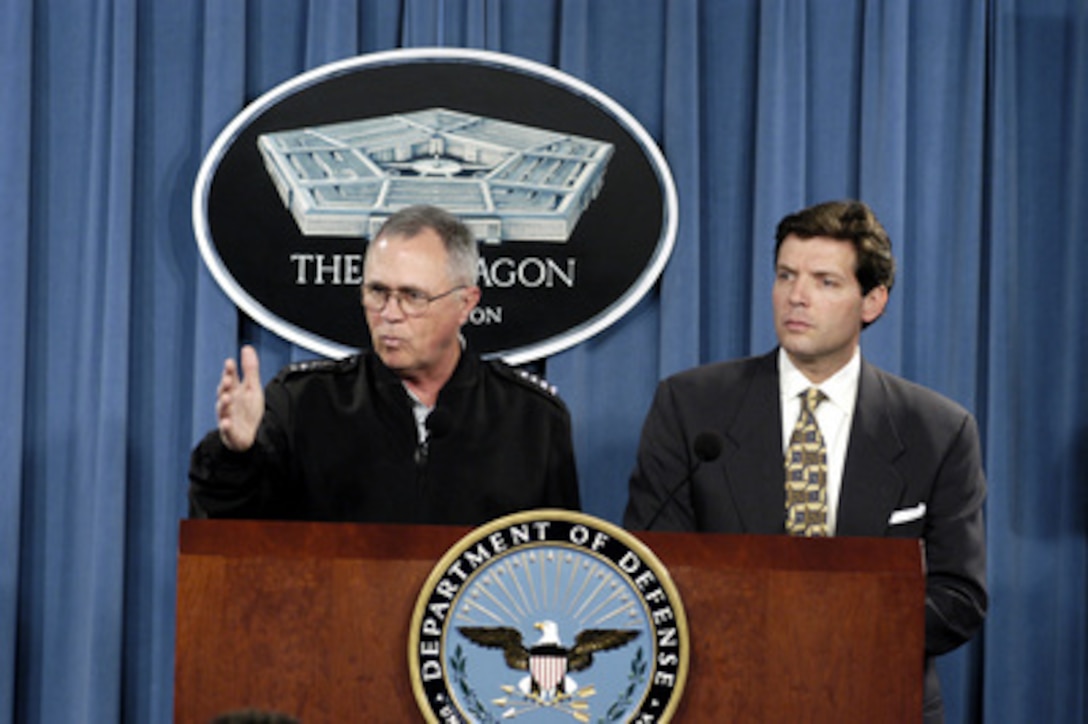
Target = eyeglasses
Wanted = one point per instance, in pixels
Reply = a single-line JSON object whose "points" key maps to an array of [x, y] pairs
{"points": [[412, 302]]}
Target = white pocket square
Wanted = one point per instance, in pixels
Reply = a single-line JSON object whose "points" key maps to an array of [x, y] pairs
{"points": [[906, 515]]}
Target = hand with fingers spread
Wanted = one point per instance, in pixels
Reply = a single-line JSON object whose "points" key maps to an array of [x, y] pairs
{"points": [[239, 403]]}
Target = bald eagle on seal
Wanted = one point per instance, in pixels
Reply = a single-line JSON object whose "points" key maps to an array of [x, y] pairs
{"points": [[547, 661]]}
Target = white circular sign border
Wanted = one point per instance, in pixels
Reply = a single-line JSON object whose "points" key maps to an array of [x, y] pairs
{"points": [[545, 348]]}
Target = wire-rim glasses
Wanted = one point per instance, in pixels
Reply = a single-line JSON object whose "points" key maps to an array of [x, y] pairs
{"points": [[413, 302]]}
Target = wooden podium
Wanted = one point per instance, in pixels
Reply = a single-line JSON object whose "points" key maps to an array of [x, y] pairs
{"points": [[312, 620]]}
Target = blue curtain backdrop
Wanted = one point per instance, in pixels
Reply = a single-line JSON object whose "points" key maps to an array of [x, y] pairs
{"points": [[964, 123]]}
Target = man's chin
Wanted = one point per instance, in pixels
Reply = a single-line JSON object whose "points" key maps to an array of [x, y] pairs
{"points": [[800, 353], [794, 344], [395, 360]]}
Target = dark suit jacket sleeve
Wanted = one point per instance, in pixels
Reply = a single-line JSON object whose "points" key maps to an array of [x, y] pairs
{"points": [[662, 466], [226, 484], [955, 545], [564, 470], [561, 488]]}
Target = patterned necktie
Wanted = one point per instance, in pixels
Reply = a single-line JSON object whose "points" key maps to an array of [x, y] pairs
{"points": [[806, 472]]}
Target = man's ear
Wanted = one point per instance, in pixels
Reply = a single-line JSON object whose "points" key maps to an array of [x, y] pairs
{"points": [[873, 303], [470, 297]]}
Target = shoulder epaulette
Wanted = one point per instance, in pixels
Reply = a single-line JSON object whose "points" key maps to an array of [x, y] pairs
{"points": [[537, 381], [320, 365], [526, 378]]}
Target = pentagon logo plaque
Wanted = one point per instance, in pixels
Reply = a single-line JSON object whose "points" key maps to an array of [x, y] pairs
{"points": [[571, 201]]}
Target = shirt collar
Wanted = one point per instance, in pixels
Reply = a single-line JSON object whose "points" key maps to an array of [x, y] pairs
{"points": [[841, 388]]}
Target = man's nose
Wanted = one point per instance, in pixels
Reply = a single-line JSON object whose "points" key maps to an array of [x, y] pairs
{"points": [[799, 292]]}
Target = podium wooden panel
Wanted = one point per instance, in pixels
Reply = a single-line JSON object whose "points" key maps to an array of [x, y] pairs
{"points": [[312, 620]]}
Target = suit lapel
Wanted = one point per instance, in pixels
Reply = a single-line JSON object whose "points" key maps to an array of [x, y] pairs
{"points": [[871, 485], [753, 455]]}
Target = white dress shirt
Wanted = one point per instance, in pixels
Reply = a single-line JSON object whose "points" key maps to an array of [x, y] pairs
{"points": [[834, 416]]}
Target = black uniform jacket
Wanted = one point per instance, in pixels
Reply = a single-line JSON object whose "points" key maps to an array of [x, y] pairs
{"points": [[913, 469], [338, 442]]}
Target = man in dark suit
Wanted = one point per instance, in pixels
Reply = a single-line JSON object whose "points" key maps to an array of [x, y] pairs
{"points": [[894, 458]]}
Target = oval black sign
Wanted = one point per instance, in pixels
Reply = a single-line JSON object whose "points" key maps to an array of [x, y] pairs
{"points": [[572, 202]]}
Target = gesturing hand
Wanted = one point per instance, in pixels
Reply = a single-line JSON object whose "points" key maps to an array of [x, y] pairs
{"points": [[239, 403]]}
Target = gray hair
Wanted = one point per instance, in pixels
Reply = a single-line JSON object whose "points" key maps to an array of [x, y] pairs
{"points": [[459, 240]]}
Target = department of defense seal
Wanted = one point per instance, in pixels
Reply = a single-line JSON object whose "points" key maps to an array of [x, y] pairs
{"points": [[548, 615]]}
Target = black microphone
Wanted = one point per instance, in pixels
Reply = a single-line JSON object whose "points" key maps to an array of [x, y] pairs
{"points": [[438, 423], [707, 448]]}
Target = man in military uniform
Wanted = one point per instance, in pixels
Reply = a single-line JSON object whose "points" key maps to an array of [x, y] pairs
{"points": [[416, 430]]}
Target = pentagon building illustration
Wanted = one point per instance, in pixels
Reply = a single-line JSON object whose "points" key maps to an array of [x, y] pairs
{"points": [[506, 181]]}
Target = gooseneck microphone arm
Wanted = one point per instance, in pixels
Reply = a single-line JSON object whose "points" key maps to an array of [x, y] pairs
{"points": [[707, 448]]}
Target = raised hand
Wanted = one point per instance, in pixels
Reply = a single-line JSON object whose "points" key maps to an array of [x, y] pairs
{"points": [[239, 403]]}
